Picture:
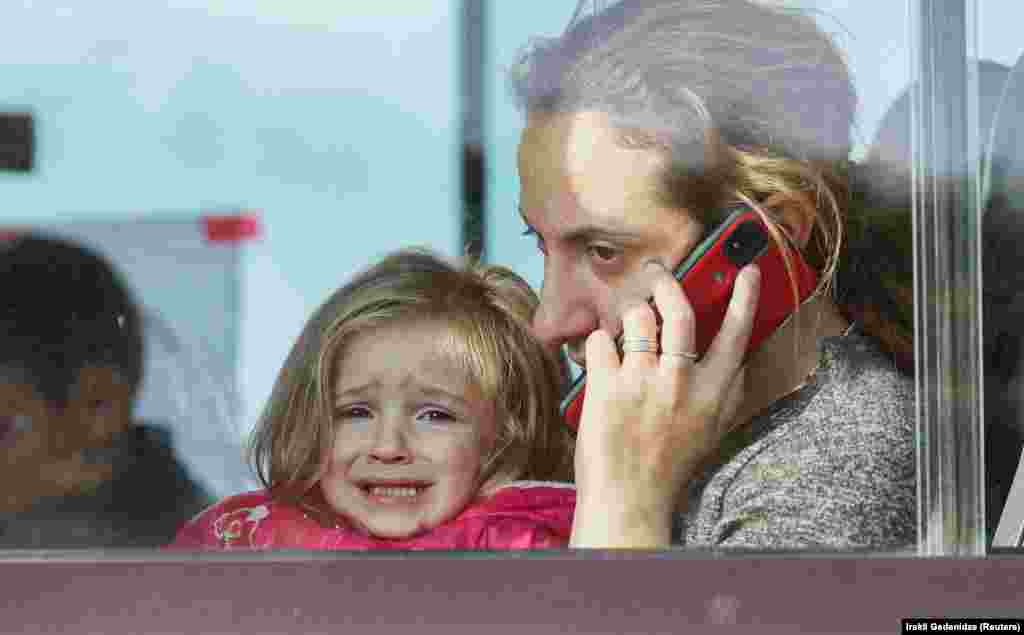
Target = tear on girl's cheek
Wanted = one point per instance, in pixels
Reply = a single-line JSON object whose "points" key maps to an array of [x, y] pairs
{"points": [[326, 458]]}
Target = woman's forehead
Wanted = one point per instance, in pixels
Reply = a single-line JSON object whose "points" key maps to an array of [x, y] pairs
{"points": [[571, 136], [575, 164]]}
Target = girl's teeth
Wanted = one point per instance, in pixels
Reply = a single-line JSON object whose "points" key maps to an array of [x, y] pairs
{"points": [[407, 492]]}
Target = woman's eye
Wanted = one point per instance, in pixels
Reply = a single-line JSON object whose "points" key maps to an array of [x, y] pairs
{"points": [[603, 254], [433, 415]]}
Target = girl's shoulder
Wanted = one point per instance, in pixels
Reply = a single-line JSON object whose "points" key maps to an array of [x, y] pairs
{"points": [[539, 501], [248, 520], [256, 503], [531, 495], [516, 515]]}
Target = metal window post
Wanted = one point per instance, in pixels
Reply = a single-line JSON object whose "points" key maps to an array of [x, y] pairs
{"points": [[947, 280], [472, 83]]}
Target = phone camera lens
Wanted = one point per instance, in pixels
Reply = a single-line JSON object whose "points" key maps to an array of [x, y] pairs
{"points": [[746, 243]]}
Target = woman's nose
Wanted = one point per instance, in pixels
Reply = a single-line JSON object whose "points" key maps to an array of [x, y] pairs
{"points": [[565, 313]]}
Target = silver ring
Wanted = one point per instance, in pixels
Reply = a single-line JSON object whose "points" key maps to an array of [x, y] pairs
{"points": [[639, 345], [685, 354]]}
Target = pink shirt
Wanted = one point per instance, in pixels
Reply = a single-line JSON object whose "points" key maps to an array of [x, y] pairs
{"points": [[520, 515]]}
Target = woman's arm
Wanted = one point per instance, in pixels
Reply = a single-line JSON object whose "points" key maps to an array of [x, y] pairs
{"points": [[649, 420], [604, 524], [839, 475]]}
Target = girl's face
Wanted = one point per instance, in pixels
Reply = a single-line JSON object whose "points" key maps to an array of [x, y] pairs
{"points": [[410, 432]]}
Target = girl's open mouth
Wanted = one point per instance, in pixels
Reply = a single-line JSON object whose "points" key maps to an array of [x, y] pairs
{"points": [[394, 493]]}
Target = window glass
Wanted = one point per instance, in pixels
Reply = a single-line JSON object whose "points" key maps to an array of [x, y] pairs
{"points": [[340, 128], [875, 40], [334, 124], [999, 82]]}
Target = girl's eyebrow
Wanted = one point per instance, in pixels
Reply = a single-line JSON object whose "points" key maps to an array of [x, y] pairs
{"points": [[437, 392], [430, 391], [357, 390]]}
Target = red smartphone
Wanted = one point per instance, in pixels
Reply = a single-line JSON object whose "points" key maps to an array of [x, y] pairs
{"points": [[707, 276]]}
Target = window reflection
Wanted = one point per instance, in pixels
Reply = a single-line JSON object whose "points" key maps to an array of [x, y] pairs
{"points": [[336, 121], [1003, 224], [82, 468], [889, 159]]}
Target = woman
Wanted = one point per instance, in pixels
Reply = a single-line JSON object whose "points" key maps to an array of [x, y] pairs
{"points": [[644, 123]]}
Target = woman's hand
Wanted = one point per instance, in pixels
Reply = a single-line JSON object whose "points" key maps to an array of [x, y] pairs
{"points": [[650, 419]]}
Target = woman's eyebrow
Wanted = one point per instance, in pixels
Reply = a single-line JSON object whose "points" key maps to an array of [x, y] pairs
{"points": [[589, 232]]}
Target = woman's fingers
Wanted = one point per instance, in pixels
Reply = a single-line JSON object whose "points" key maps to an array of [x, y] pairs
{"points": [[639, 337], [726, 353], [678, 330], [650, 420], [602, 359]]}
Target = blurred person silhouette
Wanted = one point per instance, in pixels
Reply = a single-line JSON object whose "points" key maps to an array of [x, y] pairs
{"points": [[887, 249], [78, 471]]}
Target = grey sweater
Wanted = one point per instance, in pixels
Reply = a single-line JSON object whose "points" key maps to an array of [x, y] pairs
{"points": [[831, 466]]}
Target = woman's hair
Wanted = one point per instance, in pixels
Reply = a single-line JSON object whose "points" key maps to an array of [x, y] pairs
{"points": [[747, 101], [487, 310]]}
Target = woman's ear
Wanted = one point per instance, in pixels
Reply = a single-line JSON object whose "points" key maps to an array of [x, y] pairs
{"points": [[794, 212]]}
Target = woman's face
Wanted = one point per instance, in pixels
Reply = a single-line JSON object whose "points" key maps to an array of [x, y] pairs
{"points": [[411, 430], [594, 209]]}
